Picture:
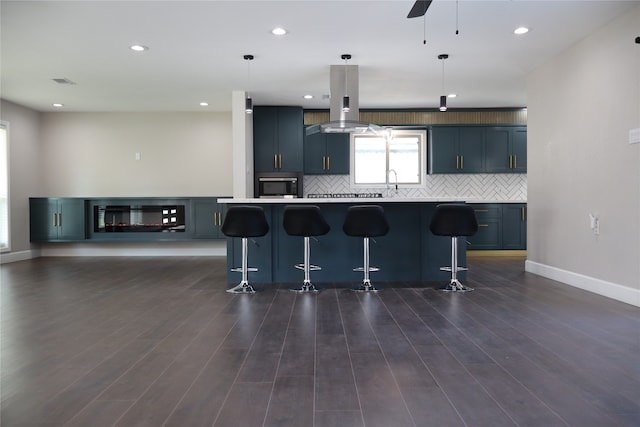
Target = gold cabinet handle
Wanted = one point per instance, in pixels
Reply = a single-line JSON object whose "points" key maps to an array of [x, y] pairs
{"points": [[59, 219], [522, 213], [215, 218], [328, 163], [483, 225], [275, 161], [481, 210], [457, 162], [510, 162], [515, 161], [324, 163], [55, 219], [280, 157], [461, 162]]}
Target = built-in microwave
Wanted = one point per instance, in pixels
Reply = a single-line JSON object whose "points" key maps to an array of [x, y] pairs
{"points": [[278, 184]]}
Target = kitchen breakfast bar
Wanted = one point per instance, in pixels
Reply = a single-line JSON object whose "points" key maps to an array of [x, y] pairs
{"points": [[408, 253]]}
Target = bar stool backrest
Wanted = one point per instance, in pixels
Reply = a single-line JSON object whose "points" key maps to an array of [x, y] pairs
{"points": [[304, 220], [365, 221], [454, 219], [245, 221]]}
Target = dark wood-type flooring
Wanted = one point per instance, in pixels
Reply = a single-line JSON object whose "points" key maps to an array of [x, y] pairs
{"points": [[157, 342]]}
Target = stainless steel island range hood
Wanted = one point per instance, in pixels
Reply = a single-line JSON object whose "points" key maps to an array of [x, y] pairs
{"points": [[344, 83]]}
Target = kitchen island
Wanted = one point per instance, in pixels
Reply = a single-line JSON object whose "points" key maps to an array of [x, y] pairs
{"points": [[409, 253]]}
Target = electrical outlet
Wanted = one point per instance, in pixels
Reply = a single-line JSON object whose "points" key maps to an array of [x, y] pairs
{"points": [[595, 223], [138, 156]]}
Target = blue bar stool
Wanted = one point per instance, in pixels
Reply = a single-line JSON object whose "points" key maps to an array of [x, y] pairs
{"points": [[306, 221], [244, 222], [365, 221], [454, 220]]}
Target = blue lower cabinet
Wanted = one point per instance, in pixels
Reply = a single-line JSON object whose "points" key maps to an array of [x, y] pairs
{"points": [[260, 251], [501, 226], [398, 253], [514, 223], [208, 215], [408, 253]]}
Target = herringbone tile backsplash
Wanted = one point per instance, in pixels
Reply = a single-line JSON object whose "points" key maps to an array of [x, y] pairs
{"points": [[477, 186]]}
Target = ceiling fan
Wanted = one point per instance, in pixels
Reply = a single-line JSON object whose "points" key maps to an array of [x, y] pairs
{"points": [[419, 8]]}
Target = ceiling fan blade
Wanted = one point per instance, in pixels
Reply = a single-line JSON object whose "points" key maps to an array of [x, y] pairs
{"points": [[419, 8]]}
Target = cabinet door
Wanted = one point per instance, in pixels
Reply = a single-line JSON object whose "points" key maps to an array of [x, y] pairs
{"points": [[498, 150], [489, 235], [72, 224], [514, 223], [314, 154], [471, 150], [290, 139], [396, 253], [443, 150], [337, 153], [56, 220], [208, 215], [43, 220], [265, 131], [519, 149]]}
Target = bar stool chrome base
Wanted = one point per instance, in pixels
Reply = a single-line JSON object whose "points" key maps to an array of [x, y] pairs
{"points": [[307, 267], [454, 284], [366, 285], [243, 287]]}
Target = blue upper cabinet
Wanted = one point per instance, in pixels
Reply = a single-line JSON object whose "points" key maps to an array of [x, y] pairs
{"points": [[506, 149], [478, 149], [456, 149], [326, 154], [278, 139]]}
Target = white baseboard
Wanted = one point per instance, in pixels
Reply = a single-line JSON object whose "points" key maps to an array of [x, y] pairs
{"points": [[173, 249], [601, 287], [19, 256]]}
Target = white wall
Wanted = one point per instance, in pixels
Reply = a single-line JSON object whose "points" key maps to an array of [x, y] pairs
{"points": [[93, 154], [581, 106], [24, 173]]}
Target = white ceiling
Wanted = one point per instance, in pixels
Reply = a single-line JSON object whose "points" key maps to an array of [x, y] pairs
{"points": [[197, 47]]}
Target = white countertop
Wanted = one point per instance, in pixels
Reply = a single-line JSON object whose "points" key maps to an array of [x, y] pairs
{"points": [[321, 200]]}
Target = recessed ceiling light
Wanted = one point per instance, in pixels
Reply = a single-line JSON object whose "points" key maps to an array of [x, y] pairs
{"points": [[278, 31], [521, 30], [58, 105], [204, 104], [138, 48], [308, 97]]}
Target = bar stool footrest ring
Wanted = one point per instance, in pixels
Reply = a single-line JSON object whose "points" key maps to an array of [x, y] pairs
{"points": [[239, 269], [311, 267], [449, 268], [370, 269]]}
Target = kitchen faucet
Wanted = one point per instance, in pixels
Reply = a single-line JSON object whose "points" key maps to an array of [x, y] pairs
{"points": [[395, 174]]}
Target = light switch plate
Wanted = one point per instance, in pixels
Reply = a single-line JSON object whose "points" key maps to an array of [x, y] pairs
{"points": [[634, 136]]}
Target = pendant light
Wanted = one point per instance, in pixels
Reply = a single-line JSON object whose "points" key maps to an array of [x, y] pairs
{"points": [[443, 98], [345, 98], [248, 102]]}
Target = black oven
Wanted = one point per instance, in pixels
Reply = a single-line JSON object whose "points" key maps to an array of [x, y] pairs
{"points": [[278, 184]]}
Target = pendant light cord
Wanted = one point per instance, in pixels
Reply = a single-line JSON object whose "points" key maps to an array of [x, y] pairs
{"points": [[442, 74], [457, 32], [424, 29]]}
